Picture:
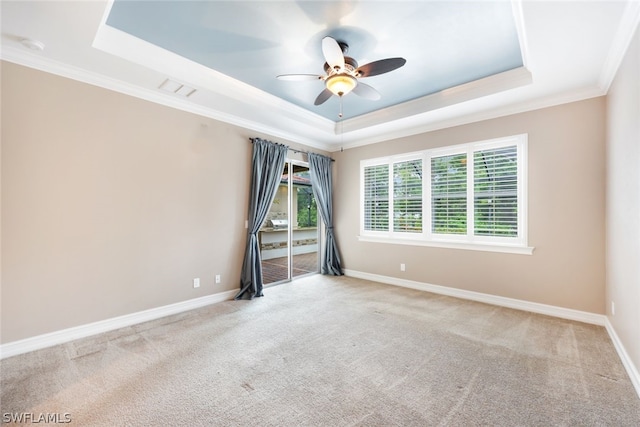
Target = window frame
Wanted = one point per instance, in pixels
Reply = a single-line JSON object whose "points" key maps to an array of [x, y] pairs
{"points": [[392, 195], [470, 241], [363, 209]]}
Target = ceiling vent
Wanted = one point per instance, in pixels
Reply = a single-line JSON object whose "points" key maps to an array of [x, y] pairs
{"points": [[32, 44], [178, 88]]}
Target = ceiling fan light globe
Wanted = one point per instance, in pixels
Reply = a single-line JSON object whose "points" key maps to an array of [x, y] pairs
{"points": [[341, 84]]}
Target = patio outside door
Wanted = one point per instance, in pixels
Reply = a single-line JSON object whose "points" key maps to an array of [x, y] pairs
{"points": [[289, 238]]}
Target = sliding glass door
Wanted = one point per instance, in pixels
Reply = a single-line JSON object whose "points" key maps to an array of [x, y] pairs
{"points": [[289, 238]]}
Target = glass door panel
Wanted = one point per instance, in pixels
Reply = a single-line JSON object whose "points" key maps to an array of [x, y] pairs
{"points": [[304, 223], [289, 237], [274, 236]]}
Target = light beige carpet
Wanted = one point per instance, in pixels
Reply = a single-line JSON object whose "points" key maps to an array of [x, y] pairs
{"points": [[325, 351]]}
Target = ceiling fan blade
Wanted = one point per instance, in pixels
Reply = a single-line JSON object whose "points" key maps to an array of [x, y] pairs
{"points": [[380, 67], [366, 92], [324, 95], [332, 53], [298, 77]]}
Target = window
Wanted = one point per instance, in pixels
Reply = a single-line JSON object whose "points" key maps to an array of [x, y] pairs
{"points": [[471, 196], [407, 196], [376, 198], [496, 192], [449, 194]]}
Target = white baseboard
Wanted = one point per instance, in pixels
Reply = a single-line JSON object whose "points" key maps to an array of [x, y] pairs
{"points": [[563, 313], [70, 334], [631, 369], [534, 307], [59, 337]]}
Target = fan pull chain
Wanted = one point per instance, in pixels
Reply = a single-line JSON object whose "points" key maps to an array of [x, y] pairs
{"points": [[340, 113]]}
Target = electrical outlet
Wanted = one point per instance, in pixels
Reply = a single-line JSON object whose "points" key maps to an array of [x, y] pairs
{"points": [[217, 278], [402, 267], [196, 282]]}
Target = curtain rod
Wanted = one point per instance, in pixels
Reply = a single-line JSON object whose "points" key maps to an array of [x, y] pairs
{"points": [[308, 152], [299, 151]]}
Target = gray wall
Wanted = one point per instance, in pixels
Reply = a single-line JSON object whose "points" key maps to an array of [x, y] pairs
{"points": [[566, 213], [112, 205], [623, 202]]}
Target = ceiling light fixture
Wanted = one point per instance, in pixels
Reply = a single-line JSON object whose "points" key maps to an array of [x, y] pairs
{"points": [[341, 84]]}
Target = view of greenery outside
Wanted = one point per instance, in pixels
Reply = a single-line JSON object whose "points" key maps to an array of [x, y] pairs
{"points": [[307, 209], [407, 196], [376, 198], [449, 194], [496, 192]]}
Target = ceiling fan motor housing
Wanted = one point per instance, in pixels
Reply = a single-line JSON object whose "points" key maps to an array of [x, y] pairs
{"points": [[350, 66]]}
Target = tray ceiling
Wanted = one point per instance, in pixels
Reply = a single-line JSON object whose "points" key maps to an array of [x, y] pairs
{"points": [[466, 61], [452, 43]]}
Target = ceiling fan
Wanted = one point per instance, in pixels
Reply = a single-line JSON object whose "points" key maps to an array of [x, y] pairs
{"points": [[342, 72]]}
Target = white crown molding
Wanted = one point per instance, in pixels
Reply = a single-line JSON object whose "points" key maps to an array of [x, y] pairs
{"points": [[626, 30], [405, 129], [326, 132], [228, 100], [533, 307], [20, 57], [60, 337], [393, 130], [143, 53], [518, 19], [628, 364], [476, 89], [261, 112]]}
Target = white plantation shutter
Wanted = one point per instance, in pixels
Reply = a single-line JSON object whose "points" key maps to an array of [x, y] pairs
{"points": [[449, 194], [496, 192], [407, 196], [469, 196], [376, 198]]}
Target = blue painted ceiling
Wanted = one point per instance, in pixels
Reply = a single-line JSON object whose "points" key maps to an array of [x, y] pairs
{"points": [[446, 44]]}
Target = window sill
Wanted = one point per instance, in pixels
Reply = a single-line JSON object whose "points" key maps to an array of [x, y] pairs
{"points": [[483, 247]]}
